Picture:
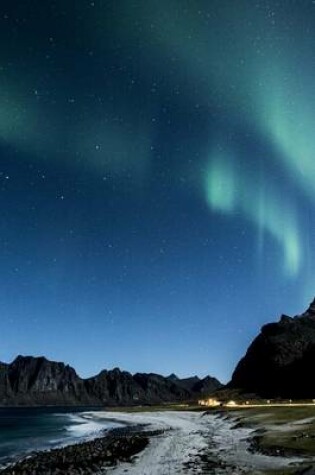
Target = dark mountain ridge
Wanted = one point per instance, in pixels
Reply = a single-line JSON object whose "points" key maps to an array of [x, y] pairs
{"points": [[35, 381], [280, 360]]}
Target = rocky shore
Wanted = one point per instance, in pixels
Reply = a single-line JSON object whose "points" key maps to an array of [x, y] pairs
{"points": [[85, 458], [175, 441]]}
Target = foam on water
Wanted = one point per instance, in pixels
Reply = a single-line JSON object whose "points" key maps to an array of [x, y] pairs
{"points": [[26, 430], [86, 426]]}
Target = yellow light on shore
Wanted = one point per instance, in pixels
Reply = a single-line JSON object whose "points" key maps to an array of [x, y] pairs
{"points": [[209, 402], [231, 403]]}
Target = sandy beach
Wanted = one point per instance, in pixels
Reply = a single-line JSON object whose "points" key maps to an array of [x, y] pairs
{"points": [[195, 442], [165, 443]]}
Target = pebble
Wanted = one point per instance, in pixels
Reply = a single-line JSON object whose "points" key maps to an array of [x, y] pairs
{"points": [[85, 458]]}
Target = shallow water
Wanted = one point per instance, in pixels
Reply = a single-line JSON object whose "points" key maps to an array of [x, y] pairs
{"points": [[25, 430]]}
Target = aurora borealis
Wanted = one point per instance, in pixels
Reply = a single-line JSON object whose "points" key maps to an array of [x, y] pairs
{"points": [[157, 178]]}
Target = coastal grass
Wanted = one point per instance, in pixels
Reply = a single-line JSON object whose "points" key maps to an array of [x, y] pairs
{"points": [[296, 443], [285, 471], [288, 431], [299, 469]]}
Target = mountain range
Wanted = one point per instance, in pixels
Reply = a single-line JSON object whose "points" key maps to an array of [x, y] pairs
{"points": [[36, 381], [278, 364]]}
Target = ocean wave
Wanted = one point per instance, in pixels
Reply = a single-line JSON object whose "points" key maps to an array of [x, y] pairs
{"points": [[86, 426], [47, 431]]}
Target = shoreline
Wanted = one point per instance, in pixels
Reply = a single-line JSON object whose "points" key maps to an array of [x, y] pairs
{"points": [[84, 458], [157, 443]]}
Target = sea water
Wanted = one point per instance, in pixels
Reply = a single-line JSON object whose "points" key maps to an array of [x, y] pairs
{"points": [[26, 430]]}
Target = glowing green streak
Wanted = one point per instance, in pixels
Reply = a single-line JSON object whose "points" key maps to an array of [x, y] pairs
{"points": [[221, 185], [17, 120], [228, 191], [286, 111]]}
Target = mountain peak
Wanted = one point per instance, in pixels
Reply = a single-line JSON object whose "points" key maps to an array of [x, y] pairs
{"points": [[173, 377], [279, 362], [310, 312]]}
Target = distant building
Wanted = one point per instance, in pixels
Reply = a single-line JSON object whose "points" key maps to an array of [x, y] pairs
{"points": [[232, 403], [209, 402]]}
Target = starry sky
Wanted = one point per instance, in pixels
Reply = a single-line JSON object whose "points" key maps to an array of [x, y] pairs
{"points": [[157, 179]]}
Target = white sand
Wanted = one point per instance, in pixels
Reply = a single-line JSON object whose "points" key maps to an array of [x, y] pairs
{"points": [[188, 434]]}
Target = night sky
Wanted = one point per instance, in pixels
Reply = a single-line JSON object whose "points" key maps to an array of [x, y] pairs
{"points": [[157, 179]]}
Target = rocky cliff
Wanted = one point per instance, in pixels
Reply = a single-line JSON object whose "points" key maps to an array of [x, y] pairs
{"points": [[280, 360], [38, 381]]}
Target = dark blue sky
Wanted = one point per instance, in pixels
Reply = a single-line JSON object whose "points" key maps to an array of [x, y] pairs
{"points": [[157, 170]]}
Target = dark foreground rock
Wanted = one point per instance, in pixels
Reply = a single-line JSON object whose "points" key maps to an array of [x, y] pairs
{"points": [[280, 361], [29, 381], [84, 458]]}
